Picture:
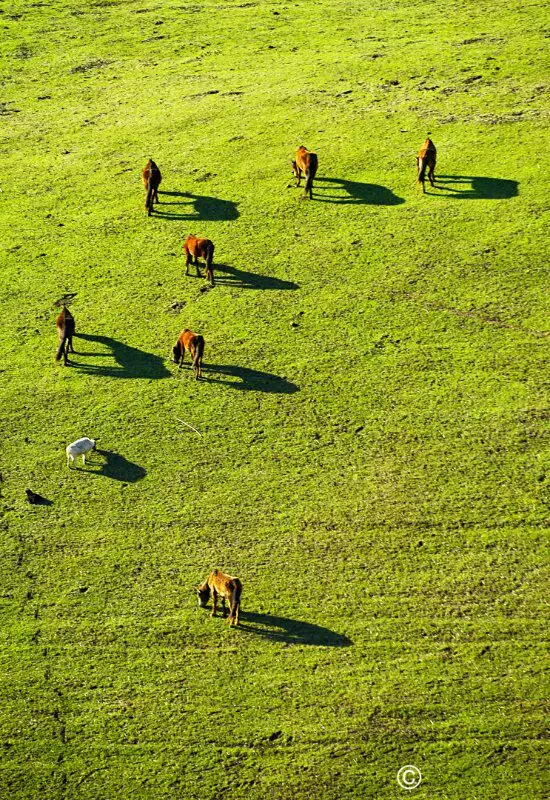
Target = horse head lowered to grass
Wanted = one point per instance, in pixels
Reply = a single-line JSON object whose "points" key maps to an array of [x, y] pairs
{"points": [[305, 162], [221, 585], [195, 248], [65, 325], [151, 180], [194, 344], [426, 160]]}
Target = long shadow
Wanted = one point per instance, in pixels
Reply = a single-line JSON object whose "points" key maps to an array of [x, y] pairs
{"points": [[354, 193], [291, 631], [475, 187], [117, 468], [249, 380], [36, 499], [240, 279], [130, 362], [195, 207]]}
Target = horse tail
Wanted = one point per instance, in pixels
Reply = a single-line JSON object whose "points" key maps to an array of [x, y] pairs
{"points": [[422, 164], [149, 195], [311, 169], [64, 335], [61, 347], [199, 350], [236, 600], [210, 255], [209, 260], [64, 330]]}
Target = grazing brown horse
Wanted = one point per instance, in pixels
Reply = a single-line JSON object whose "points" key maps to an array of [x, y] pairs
{"points": [[307, 163], [194, 343], [426, 159], [221, 585], [65, 330], [203, 248], [151, 180]]}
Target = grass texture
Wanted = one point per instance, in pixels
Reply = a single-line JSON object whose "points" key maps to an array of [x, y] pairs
{"points": [[372, 460]]}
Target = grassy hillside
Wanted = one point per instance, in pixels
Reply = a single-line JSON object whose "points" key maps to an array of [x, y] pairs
{"points": [[372, 414]]}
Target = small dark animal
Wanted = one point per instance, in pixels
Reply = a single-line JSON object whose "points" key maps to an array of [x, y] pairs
{"points": [[307, 163], [426, 160], [221, 585], [203, 248], [194, 343], [35, 499], [65, 330], [151, 180]]}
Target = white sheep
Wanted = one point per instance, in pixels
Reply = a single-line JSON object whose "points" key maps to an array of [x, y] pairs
{"points": [[80, 447]]}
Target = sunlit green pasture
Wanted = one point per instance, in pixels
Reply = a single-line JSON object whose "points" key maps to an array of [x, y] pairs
{"points": [[371, 459]]}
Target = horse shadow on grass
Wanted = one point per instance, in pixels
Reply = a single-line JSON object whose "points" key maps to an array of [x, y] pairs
{"points": [[345, 192], [130, 362], [474, 187], [195, 207], [248, 380], [240, 279], [290, 631], [116, 467]]}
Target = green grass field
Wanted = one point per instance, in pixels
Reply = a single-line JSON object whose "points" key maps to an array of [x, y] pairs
{"points": [[372, 458]]}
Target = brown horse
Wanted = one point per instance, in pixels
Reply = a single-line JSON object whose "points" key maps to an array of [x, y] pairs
{"points": [[307, 163], [203, 248], [194, 343], [65, 330], [221, 585], [426, 159], [151, 180]]}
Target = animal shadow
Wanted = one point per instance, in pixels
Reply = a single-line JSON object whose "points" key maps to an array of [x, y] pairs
{"points": [[250, 380], [240, 279], [291, 631], [130, 362], [196, 207], [118, 468], [353, 193], [471, 187], [36, 499]]}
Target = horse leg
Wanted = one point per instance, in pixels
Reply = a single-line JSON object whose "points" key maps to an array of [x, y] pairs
{"points": [[431, 175], [187, 261], [224, 610], [214, 602], [197, 267], [299, 176]]}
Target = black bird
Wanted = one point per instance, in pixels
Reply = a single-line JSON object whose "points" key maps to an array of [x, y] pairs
{"points": [[36, 499]]}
